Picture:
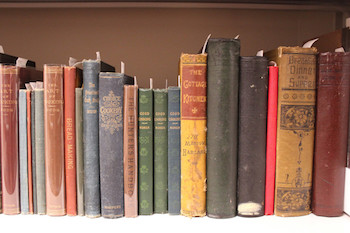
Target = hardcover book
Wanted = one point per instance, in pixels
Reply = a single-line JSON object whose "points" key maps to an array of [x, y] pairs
{"points": [[295, 129], [54, 140], [252, 136], [32, 144], [331, 134], [31, 175], [193, 73], [222, 126]]}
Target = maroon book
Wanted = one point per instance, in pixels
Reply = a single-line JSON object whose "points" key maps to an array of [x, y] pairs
{"points": [[331, 134]]}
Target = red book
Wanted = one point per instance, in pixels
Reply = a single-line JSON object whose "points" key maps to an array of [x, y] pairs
{"points": [[9, 82], [29, 151], [271, 140]]}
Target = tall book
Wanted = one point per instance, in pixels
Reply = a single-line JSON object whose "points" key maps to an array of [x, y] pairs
{"points": [[252, 136], [130, 151], [23, 151], [9, 83], [160, 151], [193, 74], [91, 70], [29, 150], [111, 130], [271, 140], [331, 133], [174, 162], [54, 140], [72, 75], [222, 125], [295, 129], [79, 150], [145, 151], [33, 146]]}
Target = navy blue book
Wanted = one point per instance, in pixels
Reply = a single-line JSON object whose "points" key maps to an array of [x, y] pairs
{"points": [[174, 162]]}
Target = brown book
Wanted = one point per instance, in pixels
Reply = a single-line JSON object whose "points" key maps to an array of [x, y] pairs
{"points": [[130, 150], [54, 140], [295, 129], [331, 134], [9, 82]]}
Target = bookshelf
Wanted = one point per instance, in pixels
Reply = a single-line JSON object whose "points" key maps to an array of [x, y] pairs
{"points": [[149, 37]]}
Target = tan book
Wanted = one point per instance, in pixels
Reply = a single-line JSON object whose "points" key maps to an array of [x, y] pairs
{"points": [[295, 129]]}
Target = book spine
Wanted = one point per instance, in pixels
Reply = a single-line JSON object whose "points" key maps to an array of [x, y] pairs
{"points": [[271, 140], [92, 203], [54, 140], [130, 151], [69, 139], [295, 130], [9, 83], [174, 172], [23, 155], [331, 134], [79, 150], [40, 151], [160, 151], [193, 72], [33, 152], [222, 107], [145, 151], [29, 151], [252, 136]]}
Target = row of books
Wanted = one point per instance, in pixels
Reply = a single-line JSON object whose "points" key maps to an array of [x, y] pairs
{"points": [[237, 137]]}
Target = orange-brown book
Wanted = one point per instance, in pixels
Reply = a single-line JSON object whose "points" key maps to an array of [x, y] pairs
{"points": [[9, 84], [54, 140], [130, 150], [72, 79]]}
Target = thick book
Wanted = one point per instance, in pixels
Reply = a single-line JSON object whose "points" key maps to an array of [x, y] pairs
{"points": [[295, 129], [79, 150], [111, 133], [91, 70], [174, 162], [271, 140], [9, 83], [160, 151], [72, 75], [252, 136], [54, 140], [332, 111], [145, 151], [222, 126], [23, 151], [193, 74], [130, 151], [10, 59]]}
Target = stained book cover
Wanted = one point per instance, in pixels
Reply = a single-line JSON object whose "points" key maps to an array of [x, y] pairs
{"points": [[222, 126], [54, 140], [252, 136], [295, 129], [9, 84], [111, 133], [193, 73], [331, 134], [145, 151], [130, 151]]}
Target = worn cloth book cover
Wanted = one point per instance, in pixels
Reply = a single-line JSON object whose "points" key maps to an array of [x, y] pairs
{"points": [[331, 134], [54, 140], [295, 129], [33, 147], [130, 151], [193, 74], [9, 59], [31, 176], [111, 133], [9, 84], [222, 126], [145, 151], [160, 151], [271, 140], [252, 136], [79, 150], [174, 160]]}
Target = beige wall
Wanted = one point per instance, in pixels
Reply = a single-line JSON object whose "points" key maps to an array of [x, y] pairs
{"points": [[149, 41]]}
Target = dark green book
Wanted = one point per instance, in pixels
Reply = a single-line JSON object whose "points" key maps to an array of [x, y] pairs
{"points": [[160, 151], [145, 147]]}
